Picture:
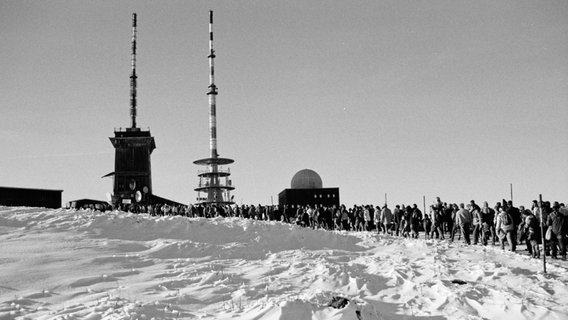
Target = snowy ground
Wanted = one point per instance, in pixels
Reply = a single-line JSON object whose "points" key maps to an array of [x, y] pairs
{"points": [[60, 264]]}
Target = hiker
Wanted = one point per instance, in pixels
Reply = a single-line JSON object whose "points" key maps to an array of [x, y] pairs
{"points": [[386, 219], [505, 229], [336, 218], [344, 218], [557, 223], [532, 233], [487, 224], [427, 226], [449, 218], [406, 221], [367, 218], [454, 223], [437, 222], [464, 220], [415, 221], [377, 216], [476, 224], [397, 214], [516, 215]]}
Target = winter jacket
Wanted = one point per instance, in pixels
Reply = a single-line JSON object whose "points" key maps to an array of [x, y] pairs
{"points": [[463, 216], [476, 217], [488, 216], [386, 216], [515, 214], [557, 221], [367, 215], [500, 223]]}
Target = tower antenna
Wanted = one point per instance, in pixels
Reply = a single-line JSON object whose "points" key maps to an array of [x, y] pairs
{"points": [[214, 181], [133, 76], [212, 93]]}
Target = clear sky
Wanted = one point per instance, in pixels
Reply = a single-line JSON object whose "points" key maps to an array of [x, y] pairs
{"points": [[455, 99]]}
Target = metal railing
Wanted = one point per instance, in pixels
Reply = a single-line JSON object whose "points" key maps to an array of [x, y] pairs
{"points": [[220, 184], [219, 170], [121, 129]]}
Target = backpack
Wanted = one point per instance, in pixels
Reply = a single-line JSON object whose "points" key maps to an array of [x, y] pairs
{"points": [[532, 224], [506, 219], [507, 222]]}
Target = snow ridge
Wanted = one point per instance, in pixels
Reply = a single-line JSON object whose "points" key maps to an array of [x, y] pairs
{"points": [[64, 264]]}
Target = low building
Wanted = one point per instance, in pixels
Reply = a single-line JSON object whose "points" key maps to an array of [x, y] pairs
{"points": [[88, 204], [27, 197], [307, 189]]}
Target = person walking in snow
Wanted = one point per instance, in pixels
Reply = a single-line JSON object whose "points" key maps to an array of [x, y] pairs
{"points": [[428, 227], [505, 229], [311, 214], [352, 218], [516, 215], [377, 218], [437, 222], [477, 225], [415, 221], [398, 214], [344, 218], [305, 217], [449, 218], [285, 214], [531, 231], [406, 221], [464, 220], [367, 218], [557, 222], [336, 218], [487, 224], [386, 219], [359, 220]]}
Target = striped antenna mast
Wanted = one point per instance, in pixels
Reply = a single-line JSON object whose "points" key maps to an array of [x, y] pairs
{"points": [[217, 184], [212, 93], [133, 76]]}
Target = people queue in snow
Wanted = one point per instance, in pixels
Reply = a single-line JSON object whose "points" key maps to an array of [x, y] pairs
{"points": [[503, 223]]}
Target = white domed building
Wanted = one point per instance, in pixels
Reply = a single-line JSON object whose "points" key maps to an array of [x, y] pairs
{"points": [[307, 188]]}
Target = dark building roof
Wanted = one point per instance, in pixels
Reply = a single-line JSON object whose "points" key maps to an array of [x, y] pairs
{"points": [[160, 200], [35, 189], [29, 197]]}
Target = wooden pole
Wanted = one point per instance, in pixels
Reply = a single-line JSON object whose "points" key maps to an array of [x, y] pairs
{"points": [[511, 192], [424, 215], [542, 233]]}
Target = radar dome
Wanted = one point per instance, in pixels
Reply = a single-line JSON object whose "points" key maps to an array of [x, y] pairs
{"points": [[306, 179]]}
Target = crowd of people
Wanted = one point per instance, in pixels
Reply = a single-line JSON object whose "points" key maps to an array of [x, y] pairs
{"points": [[503, 223]]}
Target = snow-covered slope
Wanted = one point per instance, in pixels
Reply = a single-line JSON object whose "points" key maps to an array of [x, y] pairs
{"points": [[60, 264]]}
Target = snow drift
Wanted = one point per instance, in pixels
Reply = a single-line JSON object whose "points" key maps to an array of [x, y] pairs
{"points": [[63, 264]]}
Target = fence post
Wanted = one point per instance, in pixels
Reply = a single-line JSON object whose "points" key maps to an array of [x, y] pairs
{"points": [[542, 233], [424, 215]]}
